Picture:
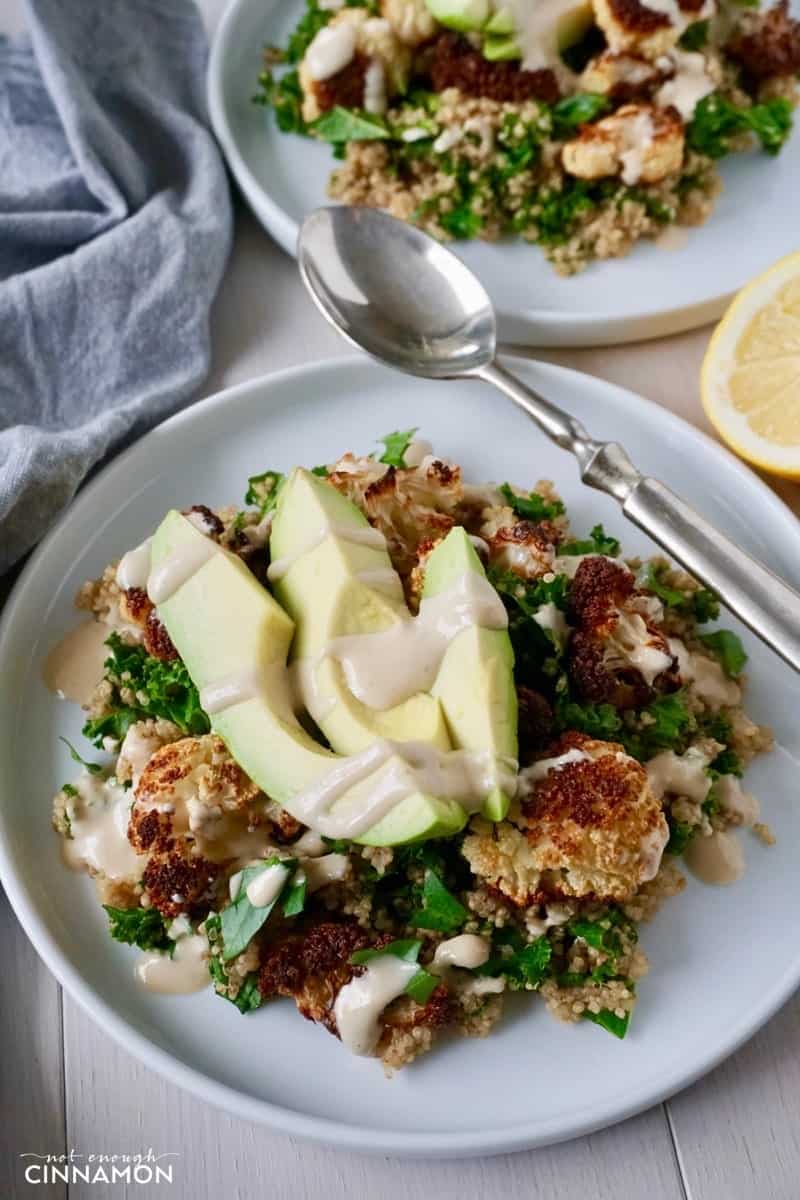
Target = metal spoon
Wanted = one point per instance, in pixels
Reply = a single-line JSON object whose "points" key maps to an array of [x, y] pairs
{"points": [[394, 292]]}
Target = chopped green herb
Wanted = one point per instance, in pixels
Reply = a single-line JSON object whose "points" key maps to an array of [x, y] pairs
{"points": [[142, 927], [340, 125], [598, 542], [69, 790], [696, 36], [241, 920], [337, 845], [728, 648], [717, 122], [248, 996], [667, 722], [596, 720], [440, 909], [727, 762], [285, 97], [532, 507], [294, 900], [702, 604], [92, 768], [609, 1021], [162, 689], [577, 110], [307, 28], [680, 834], [421, 986], [526, 968], [321, 471], [262, 491], [395, 446]]}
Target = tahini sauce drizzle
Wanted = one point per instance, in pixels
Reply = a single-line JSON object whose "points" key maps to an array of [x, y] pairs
{"points": [[74, 666], [361, 535], [716, 859], [98, 839], [360, 1003], [186, 971]]}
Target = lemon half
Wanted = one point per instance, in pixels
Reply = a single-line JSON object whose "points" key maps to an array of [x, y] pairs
{"points": [[750, 381]]}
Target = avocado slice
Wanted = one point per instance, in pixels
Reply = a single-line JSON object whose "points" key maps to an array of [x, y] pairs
{"points": [[466, 16], [501, 22], [475, 682], [335, 588], [556, 25], [501, 49], [227, 627]]}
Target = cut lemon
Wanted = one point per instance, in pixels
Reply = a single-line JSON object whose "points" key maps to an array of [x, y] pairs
{"points": [[750, 381]]}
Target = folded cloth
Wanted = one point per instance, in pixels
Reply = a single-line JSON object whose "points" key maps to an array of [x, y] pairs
{"points": [[115, 225]]}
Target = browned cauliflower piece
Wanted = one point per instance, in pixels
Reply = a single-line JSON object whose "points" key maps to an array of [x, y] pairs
{"points": [[633, 27], [623, 77], [589, 826], [639, 142], [616, 652]]}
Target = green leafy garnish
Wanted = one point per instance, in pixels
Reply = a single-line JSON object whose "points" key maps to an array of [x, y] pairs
{"points": [[577, 110], [532, 507], [702, 604], [440, 908], [321, 471], [667, 722], [306, 29], [262, 491], [535, 649], [248, 996], [728, 648], [161, 689], [717, 121], [285, 97], [609, 1021], [680, 834], [727, 762], [595, 720], [395, 446], [142, 927], [421, 985], [92, 768], [524, 969], [598, 542], [241, 920], [69, 790], [696, 36], [294, 898], [340, 125]]}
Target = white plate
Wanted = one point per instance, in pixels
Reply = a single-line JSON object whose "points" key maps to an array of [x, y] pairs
{"points": [[723, 960], [650, 293]]}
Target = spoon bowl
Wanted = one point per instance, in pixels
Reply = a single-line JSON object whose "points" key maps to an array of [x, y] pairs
{"points": [[395, 293]]}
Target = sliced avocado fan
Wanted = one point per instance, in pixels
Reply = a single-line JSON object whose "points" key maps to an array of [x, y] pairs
{"points": [[234, 637]]}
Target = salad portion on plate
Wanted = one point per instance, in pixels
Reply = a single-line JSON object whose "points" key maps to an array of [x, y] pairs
{"points": [[393, 744], [581, 125]]}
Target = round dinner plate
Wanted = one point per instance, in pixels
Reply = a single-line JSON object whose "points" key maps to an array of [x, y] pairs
{"points": [[723, 960], [651, 293]]}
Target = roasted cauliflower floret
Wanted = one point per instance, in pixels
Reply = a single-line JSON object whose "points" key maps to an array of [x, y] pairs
{"points": [[526, 548], [195, 813], [370, 64], [632, 27], [411, 20], [616, 652], [139, 745], [621, 76], [594, 822], [639, 142]]}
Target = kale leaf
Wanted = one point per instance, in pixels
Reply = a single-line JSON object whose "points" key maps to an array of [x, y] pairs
{"points": [[701, 604], [667, 721], [696, 36], [262, 491], [161, 688], [532, 507], [142, 927], [577, 110], [717, 121], [395, 446], [598, 542], [285, 97], [440, 908], [728, 648], [526, 968]]}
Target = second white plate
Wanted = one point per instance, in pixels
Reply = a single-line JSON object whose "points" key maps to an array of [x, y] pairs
{"points": [[650, 293]]}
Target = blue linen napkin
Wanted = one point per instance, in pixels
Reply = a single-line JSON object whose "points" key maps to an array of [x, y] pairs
{"points": [[115, 225]]}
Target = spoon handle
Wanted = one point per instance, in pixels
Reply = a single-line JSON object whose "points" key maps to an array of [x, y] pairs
{"points": [[755, 594]]}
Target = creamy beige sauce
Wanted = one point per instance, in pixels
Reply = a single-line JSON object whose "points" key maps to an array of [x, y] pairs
{"points": [[383, 579], [360, 535], [267, 885], [551, 618], [331, 50], [735, 800], [179, 567], [309, 845], [653, 846], [360, 1003], [689, 85], [74, 666], [134, 567], [137, 749], [637, 134], [186, 971], [716, 859], [468, 950], [705, 677], [410, 767], [383, 669], [375, 99], [419, 449], [634, 644], [98, 819], [329, 868], [537, 28], [679, 774], [272, 680]]}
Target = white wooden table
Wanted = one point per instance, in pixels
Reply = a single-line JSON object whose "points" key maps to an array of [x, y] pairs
{"points": [[63, 1083]]}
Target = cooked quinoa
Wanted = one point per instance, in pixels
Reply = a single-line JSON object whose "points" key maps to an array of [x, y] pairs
{"points": [[584, 151], [632, 744]]}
